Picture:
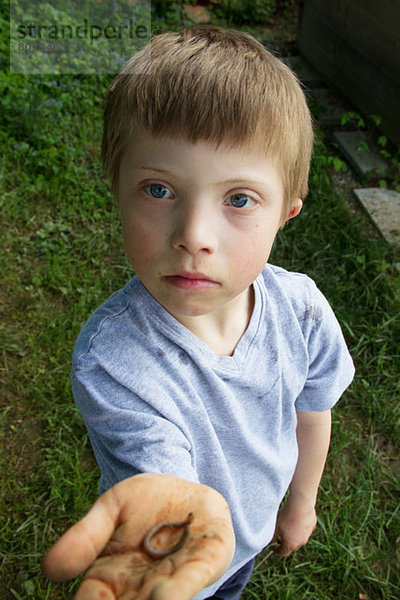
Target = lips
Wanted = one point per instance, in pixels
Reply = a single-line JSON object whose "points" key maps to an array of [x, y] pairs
{"points": [[191, 281]]}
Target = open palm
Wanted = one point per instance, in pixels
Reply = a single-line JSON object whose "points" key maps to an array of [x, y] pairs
{"points": [[109, 540]]}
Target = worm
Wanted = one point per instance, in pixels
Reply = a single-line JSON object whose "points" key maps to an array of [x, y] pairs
{"points": [[156, 553]]}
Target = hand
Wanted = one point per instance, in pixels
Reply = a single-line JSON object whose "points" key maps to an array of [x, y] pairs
{"points": [[109, 540], [294, 526]]}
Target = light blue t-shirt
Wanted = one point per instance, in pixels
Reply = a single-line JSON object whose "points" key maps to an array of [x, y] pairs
{"points": [[155, 398]]}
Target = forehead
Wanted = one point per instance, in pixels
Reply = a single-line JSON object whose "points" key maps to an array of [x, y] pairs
{"points": [[178, 153]]}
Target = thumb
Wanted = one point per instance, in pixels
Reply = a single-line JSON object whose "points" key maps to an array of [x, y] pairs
{"points": [[83, 542], [281, 547], [278, 543]]}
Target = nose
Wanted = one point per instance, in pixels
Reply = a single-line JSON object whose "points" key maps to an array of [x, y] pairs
{"points": [[194, 228]]}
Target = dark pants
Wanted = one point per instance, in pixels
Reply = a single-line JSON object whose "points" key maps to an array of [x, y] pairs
{"points": [[233, 587]]}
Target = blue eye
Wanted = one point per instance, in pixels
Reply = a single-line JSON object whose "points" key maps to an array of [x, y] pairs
{"points": [[241, 201], [157, 190]]}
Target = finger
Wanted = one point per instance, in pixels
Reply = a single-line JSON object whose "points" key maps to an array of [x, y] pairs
{"points": [[204, 568], [282, 551], [276, 542], [82, 543], [188, 581], [281, 548], [276, 539], [93, 589]]}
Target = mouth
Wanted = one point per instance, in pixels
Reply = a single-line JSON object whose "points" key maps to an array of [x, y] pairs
{"points": [[190, 281]]}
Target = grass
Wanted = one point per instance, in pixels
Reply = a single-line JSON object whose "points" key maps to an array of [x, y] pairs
{"points": [[61, 255]]}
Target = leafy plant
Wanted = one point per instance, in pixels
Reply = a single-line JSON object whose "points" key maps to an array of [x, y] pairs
{"points": [[375, 138], [324, 162], [244, 11]]}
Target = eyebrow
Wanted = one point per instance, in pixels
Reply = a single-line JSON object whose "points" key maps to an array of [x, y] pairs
{"points": [[236, 180], [154, 169]]}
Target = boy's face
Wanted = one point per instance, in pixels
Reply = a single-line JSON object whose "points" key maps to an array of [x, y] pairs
{"points": [[199, 222]]}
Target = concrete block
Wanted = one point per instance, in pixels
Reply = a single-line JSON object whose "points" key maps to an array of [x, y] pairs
{"points": [[383, 206], [354, 146]]}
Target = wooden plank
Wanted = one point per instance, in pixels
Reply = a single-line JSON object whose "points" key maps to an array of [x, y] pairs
{"points": [[375, 36]]}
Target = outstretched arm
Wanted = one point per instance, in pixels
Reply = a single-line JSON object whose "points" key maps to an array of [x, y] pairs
{"points": [[110, 541], [297, 519]]}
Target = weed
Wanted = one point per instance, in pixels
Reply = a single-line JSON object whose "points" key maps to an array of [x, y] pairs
{"points": [[375, 139], [244, 11]]}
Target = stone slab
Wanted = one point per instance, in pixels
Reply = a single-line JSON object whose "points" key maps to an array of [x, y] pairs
{"points": [[383, 206], [352, 144]]}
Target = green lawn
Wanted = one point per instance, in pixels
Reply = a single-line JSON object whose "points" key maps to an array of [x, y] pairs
{"points": [[61, 255]]}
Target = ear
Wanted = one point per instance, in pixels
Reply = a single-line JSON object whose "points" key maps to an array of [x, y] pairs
{"points": [[296, 208]]}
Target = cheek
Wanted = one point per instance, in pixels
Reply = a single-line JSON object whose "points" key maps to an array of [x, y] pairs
{"points": [[253, 248], [142, 241], [248, 260]]}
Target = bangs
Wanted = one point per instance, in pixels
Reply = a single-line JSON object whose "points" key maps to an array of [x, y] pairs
{"points": [[212, 104], [205, 84]]}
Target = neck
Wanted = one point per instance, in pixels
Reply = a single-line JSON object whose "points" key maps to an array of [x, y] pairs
{"points": [[222, 330]]}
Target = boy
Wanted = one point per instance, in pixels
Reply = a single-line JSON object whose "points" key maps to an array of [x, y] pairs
{"points": [[210, 367]]}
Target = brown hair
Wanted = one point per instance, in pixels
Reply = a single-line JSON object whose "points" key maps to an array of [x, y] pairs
{"points": [[215, 84]]}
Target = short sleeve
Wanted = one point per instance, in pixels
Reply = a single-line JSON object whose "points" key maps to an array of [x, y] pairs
{"points": [[331, 367], [128, 436]]}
